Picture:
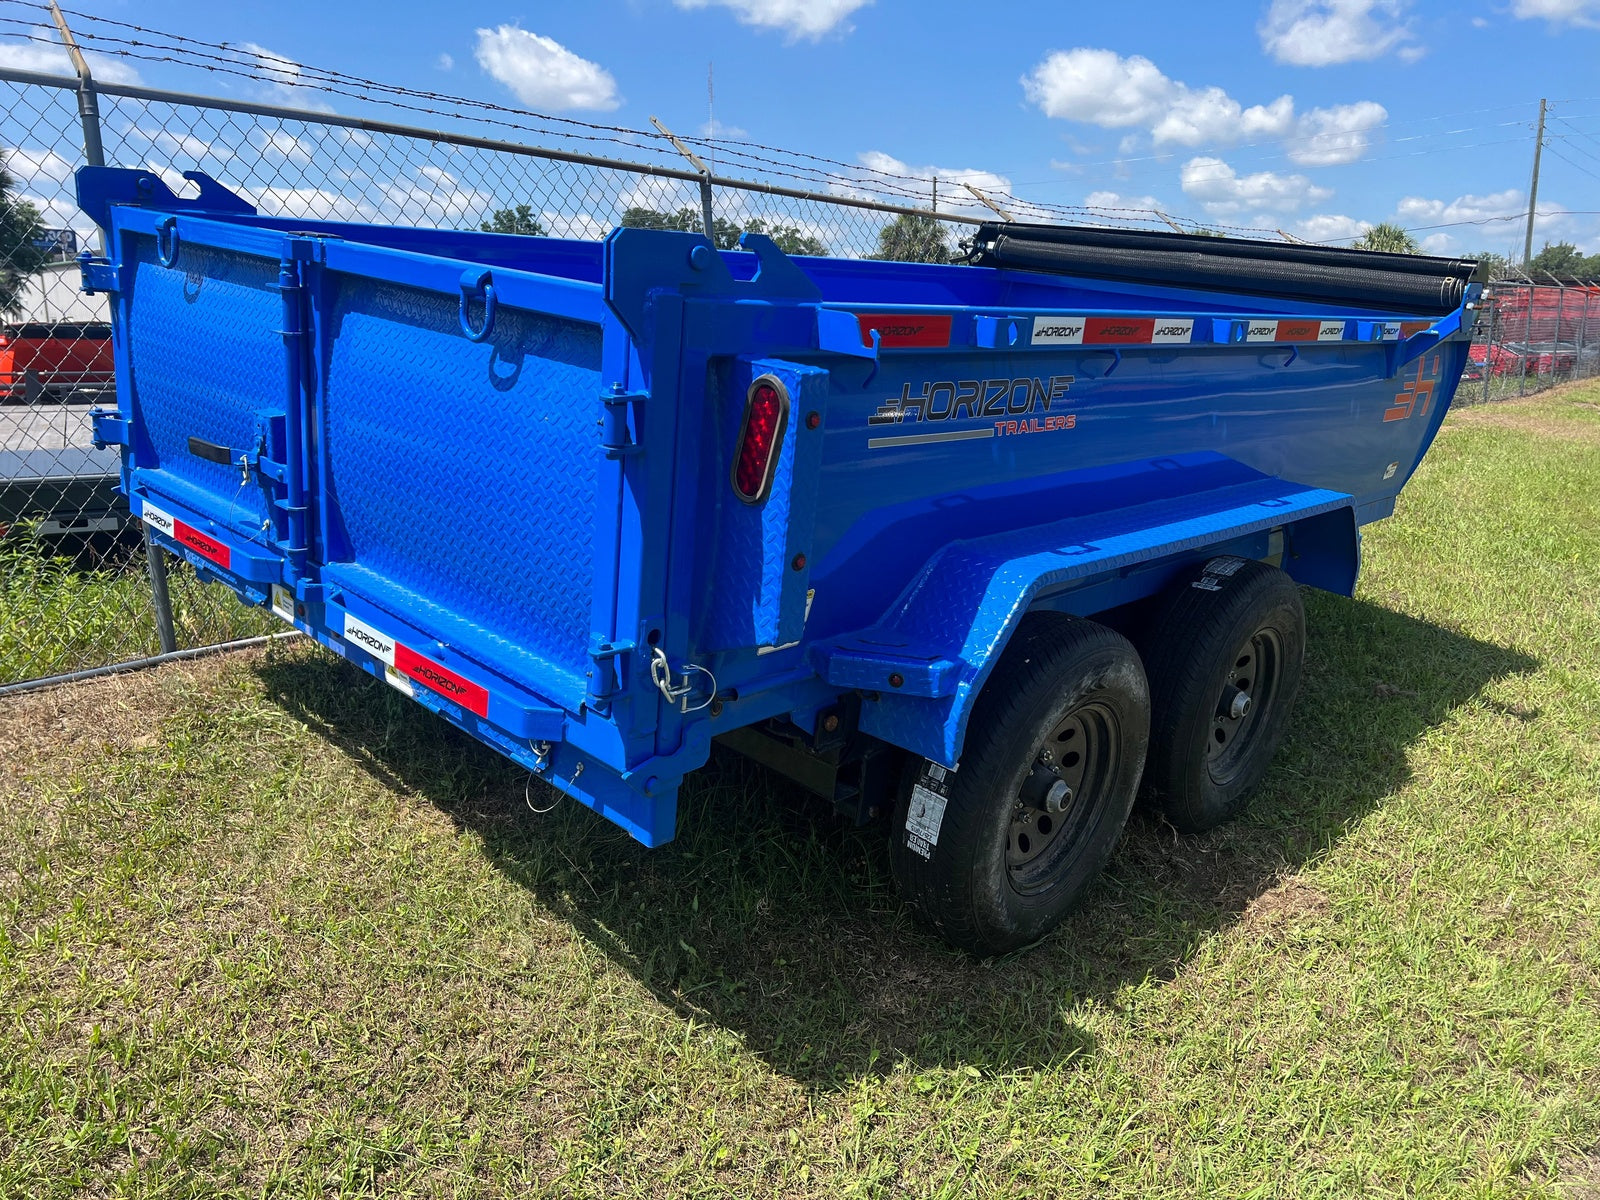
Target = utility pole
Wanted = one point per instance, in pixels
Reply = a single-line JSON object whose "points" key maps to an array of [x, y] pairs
{"points": [[1533, 188]]}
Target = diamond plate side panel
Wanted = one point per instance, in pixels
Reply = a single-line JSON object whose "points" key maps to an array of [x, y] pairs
{"points": [[206, 356], [466, 473]]}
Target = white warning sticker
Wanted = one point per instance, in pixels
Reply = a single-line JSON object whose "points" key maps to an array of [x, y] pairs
{"points": [[398, 681], [282, 603], [1216, 571], [923, 819]]}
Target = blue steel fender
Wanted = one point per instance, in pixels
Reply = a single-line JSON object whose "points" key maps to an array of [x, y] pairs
{"points": [[922, 665]]}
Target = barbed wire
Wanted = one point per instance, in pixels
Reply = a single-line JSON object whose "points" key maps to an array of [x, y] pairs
{"points": [[910, 188]]}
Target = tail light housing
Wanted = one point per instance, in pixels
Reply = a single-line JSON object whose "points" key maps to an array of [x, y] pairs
{"points": [[766, 413]]}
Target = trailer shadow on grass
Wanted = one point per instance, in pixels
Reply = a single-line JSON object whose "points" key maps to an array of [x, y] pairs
{"points": [[773, 918]]}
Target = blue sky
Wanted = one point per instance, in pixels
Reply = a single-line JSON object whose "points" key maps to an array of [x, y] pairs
{"points": [[1312, 116]]}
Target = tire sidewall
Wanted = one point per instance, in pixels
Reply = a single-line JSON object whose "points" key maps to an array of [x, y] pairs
{"points": [[1004, 915], [1200, 796]]}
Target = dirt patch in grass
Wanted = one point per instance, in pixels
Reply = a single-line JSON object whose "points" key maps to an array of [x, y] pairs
{"points": [[110, 715]]}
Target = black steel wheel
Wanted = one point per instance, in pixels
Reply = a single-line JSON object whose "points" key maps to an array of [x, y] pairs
{"points": [[1224, 656], [996, 852]]}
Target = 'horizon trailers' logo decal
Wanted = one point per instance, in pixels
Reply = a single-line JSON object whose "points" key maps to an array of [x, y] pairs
{"points": [[406, 664], [1009, 406]]}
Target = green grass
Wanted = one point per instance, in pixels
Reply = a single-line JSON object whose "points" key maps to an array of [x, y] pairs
{"points": [[268, 930], [61, 613]]}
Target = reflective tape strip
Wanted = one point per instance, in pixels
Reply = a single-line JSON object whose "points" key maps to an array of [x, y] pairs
{"points": [[1057, 331], [379, 645], [186, 535], [471, 696], [897, 331], [1109, 330], [1297, 331], [1119, 330], [405, 663]]}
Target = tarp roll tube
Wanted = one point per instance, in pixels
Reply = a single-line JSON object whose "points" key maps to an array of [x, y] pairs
{"points": [[1400, 282]]}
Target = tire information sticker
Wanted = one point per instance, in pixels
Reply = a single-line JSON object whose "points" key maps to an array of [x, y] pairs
{"points": [[925, 814]]}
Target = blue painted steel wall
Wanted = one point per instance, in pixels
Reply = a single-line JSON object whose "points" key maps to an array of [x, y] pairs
{"points": [[541, 510]]}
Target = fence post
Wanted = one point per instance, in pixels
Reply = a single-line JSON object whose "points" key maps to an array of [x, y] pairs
{"points": [[1555, 341], [1489, 342], [94, 154], [1527, 347], [1583, 337]]}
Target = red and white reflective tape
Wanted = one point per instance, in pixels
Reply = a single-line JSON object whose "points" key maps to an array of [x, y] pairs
{"points": [[1295, 330], [405, 665], [186, 535], [1393, 331]]}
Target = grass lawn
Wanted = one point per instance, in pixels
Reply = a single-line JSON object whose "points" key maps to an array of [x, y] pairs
{"points": [[267, 929]]}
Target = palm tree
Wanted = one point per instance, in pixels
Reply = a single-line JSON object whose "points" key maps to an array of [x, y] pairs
{"points": [[20, 254], [1388, 237]]}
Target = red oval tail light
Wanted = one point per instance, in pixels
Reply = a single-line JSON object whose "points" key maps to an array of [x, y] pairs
{"points": [[766, 411]]}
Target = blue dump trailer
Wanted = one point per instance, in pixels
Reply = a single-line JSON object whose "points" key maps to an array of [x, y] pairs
{"points": [[991, 549]]}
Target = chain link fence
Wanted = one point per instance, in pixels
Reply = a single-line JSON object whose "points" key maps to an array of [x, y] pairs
{"points": [[78, 587], [1530, 337]]}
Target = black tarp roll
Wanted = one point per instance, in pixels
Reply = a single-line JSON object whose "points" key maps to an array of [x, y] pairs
{"points": [[1360, 278]]}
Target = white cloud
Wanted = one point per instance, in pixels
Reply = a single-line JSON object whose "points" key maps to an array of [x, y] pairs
{"points": [[1326, 137], [953, 195], [1117, 206], [1419, 210], [719, 129], [280, 144], [1328, 228], [278, 68], [797, 18], [445, 62], [1559, 12], [1222, 191], [1318, 33], [543, 73], [53, 60], [30, 167], [281, 75], [1100, 87]]}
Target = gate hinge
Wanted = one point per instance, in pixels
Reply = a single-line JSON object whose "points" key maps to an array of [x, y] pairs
{"points": [[110, 427], [99, 275], [605, 676], [615, 439]]}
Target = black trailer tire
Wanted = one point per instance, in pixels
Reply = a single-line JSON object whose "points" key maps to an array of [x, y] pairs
{"points": [[1009, 852], [1224, 656]]}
